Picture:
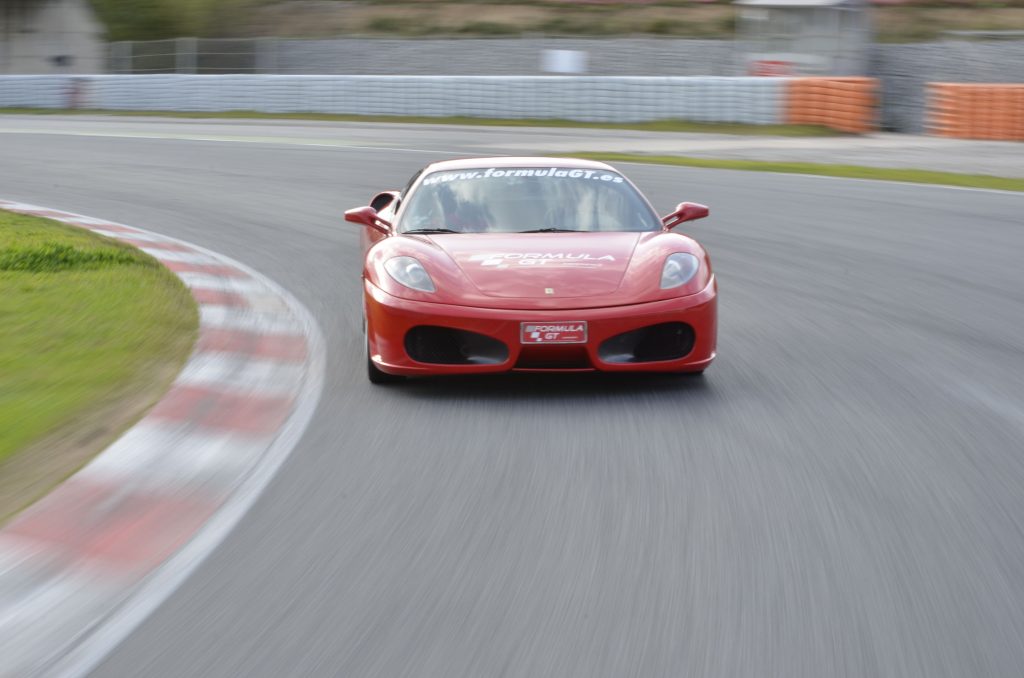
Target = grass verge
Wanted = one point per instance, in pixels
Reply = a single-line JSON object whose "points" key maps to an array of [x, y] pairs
{"points": [[916, 176], [652, 126], [93, 332]]}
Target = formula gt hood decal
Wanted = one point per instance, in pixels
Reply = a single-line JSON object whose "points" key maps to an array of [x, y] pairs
{"points": [[542, 265]]}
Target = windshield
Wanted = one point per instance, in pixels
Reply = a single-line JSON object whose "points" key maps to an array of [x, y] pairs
{"points": [[526, 199]]}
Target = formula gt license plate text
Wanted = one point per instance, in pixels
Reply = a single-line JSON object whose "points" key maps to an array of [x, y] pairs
{"points": [[566, 332]]}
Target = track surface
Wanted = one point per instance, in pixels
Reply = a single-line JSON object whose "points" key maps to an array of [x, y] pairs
{"points": [[842, 495]]}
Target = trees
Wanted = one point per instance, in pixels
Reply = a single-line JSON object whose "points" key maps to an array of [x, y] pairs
{"points": [[160, 19]]}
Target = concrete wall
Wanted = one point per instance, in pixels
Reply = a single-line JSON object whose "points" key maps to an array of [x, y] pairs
{"points": [[51, 36], [904, 70]]}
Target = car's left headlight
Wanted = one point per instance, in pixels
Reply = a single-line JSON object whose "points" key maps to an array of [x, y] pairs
{"points": [[409, 272], [679, 269]]}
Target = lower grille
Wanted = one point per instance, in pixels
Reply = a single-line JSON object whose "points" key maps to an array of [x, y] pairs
{"points": [[552, 357], [665, 341], [447, 346]]}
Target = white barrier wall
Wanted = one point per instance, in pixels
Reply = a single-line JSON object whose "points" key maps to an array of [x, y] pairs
{"points": [[592, 99]]}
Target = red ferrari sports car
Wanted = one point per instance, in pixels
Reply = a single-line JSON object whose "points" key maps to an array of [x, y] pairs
{"points": [[531, 264]]}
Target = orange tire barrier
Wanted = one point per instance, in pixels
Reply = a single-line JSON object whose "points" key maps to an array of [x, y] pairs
{"points": [[844, 104], [963, 111]]}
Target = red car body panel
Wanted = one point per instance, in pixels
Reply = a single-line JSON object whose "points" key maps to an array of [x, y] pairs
{"points": [[389, 318], [573, 266], [492, 283]]}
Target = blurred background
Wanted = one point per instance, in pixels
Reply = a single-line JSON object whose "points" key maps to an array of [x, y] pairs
{"points": [[904, 45]]}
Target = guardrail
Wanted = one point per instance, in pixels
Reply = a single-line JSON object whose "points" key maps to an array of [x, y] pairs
{"points": [[967, 111], [591, 99], [842, 103]]}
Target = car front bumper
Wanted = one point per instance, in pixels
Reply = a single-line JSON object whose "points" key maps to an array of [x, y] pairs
{"points": [[390, 319]]}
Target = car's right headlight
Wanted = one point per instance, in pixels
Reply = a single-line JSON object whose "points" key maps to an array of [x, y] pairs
{"points": [[409, 272], [679, 269]]}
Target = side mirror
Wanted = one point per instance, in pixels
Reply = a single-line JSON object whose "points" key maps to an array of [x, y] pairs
{"points": [[384, 199], [685, 211], [367, 216]]}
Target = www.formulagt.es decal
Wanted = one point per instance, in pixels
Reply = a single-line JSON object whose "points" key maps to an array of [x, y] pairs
{"points": [[547, 259]]}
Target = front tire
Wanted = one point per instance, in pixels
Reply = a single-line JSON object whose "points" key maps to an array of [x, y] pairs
{"points": [[378, 376]]}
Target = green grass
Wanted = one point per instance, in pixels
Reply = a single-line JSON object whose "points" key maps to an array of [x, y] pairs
{"points": [[85, 323], [652, 126], [916, 176]]}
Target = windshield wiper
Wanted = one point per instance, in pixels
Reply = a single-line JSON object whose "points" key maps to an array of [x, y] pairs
{"points": [[428, 231], [551, 230]]}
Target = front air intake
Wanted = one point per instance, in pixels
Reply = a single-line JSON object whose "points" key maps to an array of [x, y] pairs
{"points": [[665, 341], [447, 346]]}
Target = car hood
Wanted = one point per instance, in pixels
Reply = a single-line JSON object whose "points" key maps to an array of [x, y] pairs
{"points": [[542, 265]]}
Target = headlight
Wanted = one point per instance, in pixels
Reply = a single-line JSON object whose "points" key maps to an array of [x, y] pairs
{"points": [[409, 272], [679, 269]]}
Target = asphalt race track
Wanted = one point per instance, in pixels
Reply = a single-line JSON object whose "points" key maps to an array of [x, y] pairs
{"points": [[841, 495]]}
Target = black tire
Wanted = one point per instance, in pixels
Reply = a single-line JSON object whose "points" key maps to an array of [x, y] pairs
{"points": [[377, 376]]}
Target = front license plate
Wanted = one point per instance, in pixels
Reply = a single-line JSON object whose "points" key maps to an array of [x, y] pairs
{"points": [[567, 332]]}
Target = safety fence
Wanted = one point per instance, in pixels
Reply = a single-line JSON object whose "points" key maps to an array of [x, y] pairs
{"points": [[759, 101], [844, 104], [968, 111]]}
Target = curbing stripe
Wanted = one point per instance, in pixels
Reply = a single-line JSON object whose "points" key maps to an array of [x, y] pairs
{"points": [[241, 374], [142, 457], [209, 269], [213, 282], [81, 568], [285, 349], [207, 296], [221, 410], [121, 235], [260, 322], [185, 255]]}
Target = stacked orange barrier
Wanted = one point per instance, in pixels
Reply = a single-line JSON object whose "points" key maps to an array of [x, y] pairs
{"points": [[844, 104], [966, 111]]}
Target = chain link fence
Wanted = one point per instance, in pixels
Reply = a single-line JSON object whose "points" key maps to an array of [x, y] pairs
{"points": [[191, 56], [385, 56]]}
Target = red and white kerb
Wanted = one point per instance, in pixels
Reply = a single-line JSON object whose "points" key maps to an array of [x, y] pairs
{"points": [[73, 557]]}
